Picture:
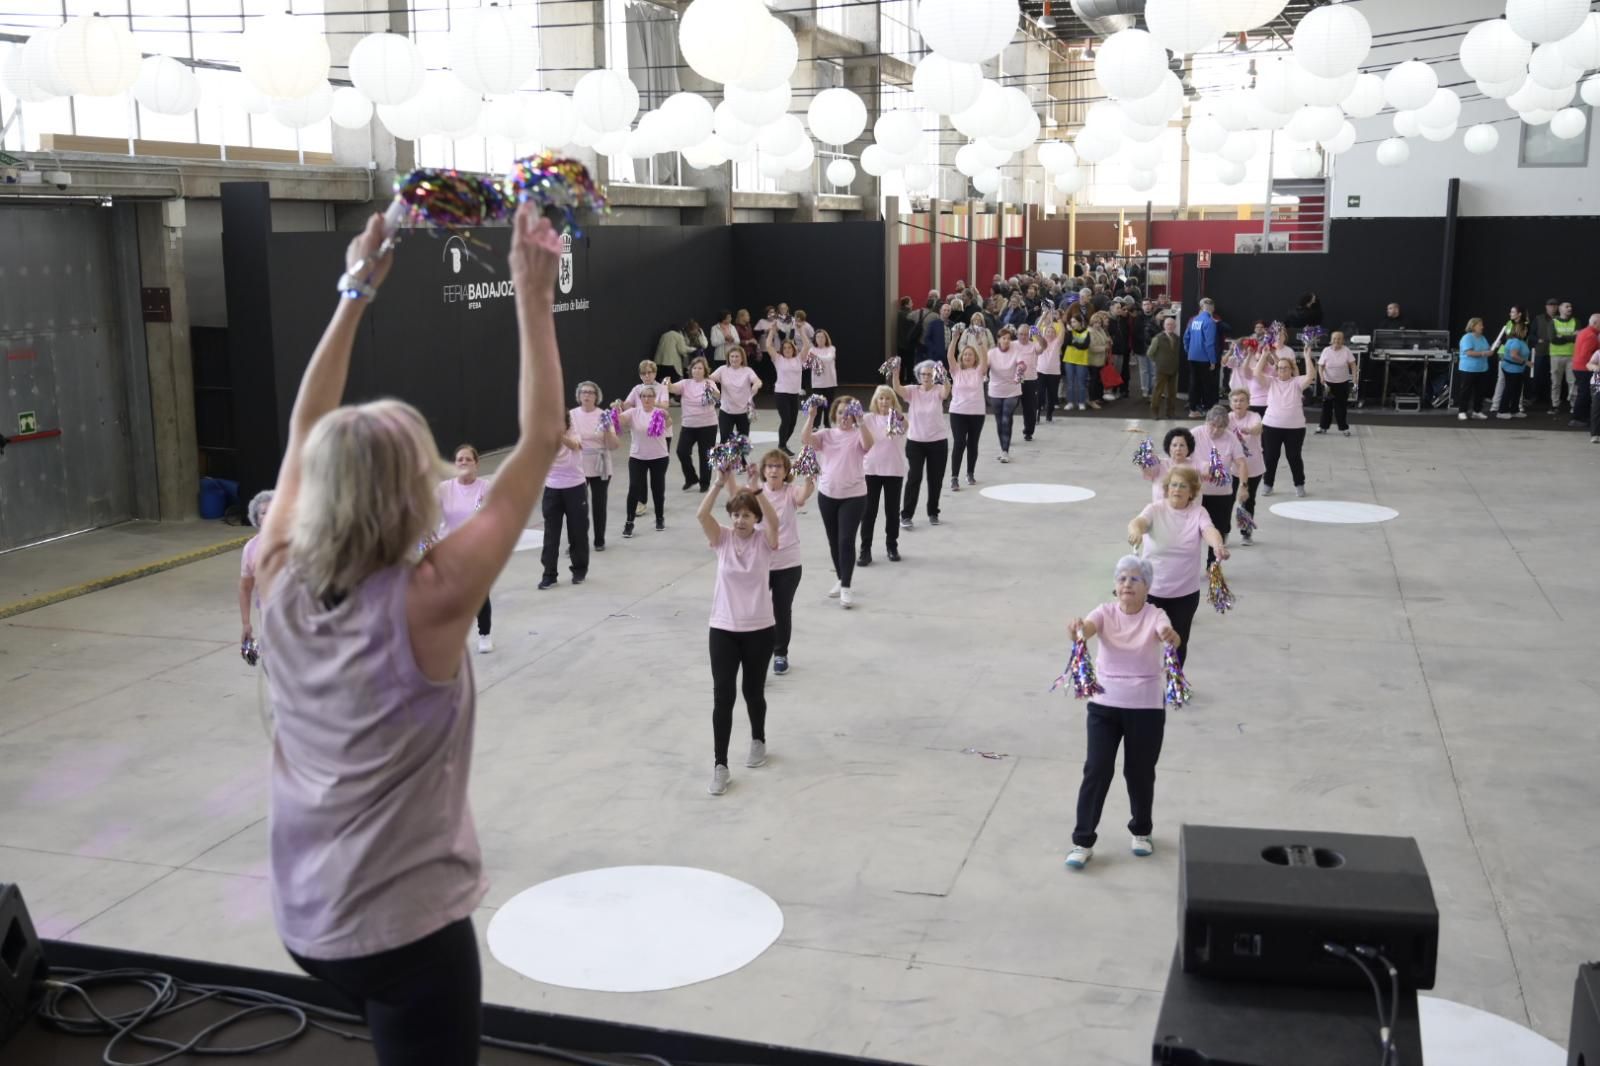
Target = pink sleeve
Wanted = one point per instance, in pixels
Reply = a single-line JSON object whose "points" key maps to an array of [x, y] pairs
{"points": [[1161, 620], [1097, 617], [1149, 512], [1205, 516]]}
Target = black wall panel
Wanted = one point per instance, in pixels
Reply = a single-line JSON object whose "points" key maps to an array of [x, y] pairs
{"points": [[1523, 261]]}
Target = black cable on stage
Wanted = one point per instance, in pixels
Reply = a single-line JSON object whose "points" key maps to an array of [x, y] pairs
{"points": [[1394, 998], [1384, 1034]]}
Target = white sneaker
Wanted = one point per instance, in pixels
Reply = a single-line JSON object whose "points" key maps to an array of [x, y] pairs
{"points": [[1594, 440], [1078, 858], [1479, 415], [1462, 416], [1142, 846], [1005, 457], [719, 781], [485, 645], [1300, 491], [1504, 415], [846, 600], [833, 593], [758, 754]]}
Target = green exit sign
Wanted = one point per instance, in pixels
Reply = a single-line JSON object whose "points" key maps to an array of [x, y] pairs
{"points": [[1352, 201]]}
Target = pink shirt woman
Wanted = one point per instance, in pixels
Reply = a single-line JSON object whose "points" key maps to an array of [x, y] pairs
{"points": [[825, 375], [597, 444], [785, 504], [1336, 364], [1228, 450], [567, 470], [966, 392], [888, 455], [641, 445], [739, 385], [699, 402], [790, 369], [1049, 361], [1129, 664], [842, 454], [459, 500], [925, 421], [1028, 352], [1003, 363], [1175, 545], [1285, 407], [1245, 429]]}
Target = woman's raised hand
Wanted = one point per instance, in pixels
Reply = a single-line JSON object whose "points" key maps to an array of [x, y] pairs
{"points": [[362, 259], [535, 252]]}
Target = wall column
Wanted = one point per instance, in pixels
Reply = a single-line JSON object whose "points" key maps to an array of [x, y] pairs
{"points": [[891, 272], [171, 363], [934, 280], [972, 242]]}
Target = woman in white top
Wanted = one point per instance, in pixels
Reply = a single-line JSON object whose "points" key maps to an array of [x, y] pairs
{"points": [[724, 335], [598, 445], [1338, 367], [697, 400], [927, 441], [824, 359], [738, 385]]}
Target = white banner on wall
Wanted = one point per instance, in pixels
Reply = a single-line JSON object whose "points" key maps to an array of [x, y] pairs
{"points": [[1049, 262]]}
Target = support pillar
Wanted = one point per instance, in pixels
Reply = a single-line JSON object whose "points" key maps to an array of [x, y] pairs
{"points": [[1072, 230], [1028, 258], [1000, 226], [935, 206], [170, 362], [972, 242], [891, 272]]}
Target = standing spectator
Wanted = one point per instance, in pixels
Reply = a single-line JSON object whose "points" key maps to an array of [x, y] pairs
{"points": [[1164, 355], [1099, 352], [1516, 326], [1075, 361], [1471, 371], [1514, 362], [1120, 326], [934, 335], [671, 352], [1338, 366], [1307, 312], [724, 335], [1585, 364], [1200, 347], [1544, 331], [1145, 328], [566, 499], [747, 335], [1564, 335], [1392, 318], [908, 331]]}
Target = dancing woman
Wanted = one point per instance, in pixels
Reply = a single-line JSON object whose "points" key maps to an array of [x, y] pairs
{"points": [[776, 482], [1178, 529], [927, 441], [1049, 364], [842, 488], [260, 507], [786, 391], [1214, 434], [598, 445], [966, 414], [1178, 445], [697, 397], [566, 499], [1005, 390], [1285, 421], [738, 385], [825, 368], [647, 460], [1246, 426], [885, 468], [459, 499]]}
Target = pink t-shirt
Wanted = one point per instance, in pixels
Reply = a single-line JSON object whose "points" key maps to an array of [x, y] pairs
{"points": [[1003, 381], [1158, 482], [842, 453], [966, 392], [663, 396], [825, 375], [1128, 664], [1336, 364], [742, 599], [247, 558], [788, 553], [888, 455], [596, 457], [1285, 409], [1175, 547], [738, 386], [1030, 359], [1227, 446], [566, 471], [699, 404], [1049, 361], [459, 501], [1255, 464], [789, 374], [641, 445], [925, 414]]}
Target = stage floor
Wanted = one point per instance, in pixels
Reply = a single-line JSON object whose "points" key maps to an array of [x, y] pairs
{"points": [[1421, 676]]}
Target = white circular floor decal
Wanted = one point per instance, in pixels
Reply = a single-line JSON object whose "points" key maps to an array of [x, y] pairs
{"points": [[763, 436], [1466, 1036], [529, 539], [1339, 512], [634, 928], [1029, 492]]}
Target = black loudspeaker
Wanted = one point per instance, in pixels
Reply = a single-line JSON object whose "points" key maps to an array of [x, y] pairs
{"points": [[1583, 1046], [1259, 904], [20, 959]]}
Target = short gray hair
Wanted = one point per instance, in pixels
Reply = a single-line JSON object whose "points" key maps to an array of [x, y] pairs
{"points": [[1137, 565], [599, 397], [926, 364], [1207, 305], [258, 503]]}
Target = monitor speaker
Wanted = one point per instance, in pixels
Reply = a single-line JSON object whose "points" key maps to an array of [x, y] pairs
{"points": [[21, 959]]}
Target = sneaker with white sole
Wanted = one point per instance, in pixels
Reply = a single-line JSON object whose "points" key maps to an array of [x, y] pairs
{"points": [[719, 780], [780, 664], [905, 523], [1300, 491], [833, 593], [1462, 416], [1005, 457], [1142, 846], [1266, 490], [1479, 415], [485, 645], [846, 600], [1079, 857], [758, 754]]}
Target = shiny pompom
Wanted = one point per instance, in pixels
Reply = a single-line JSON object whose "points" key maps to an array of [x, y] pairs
{"points": [[889, 366], [1144, 456], [1178, 691], [1217, 470], [1244, 520], [250, 651], [1219, 595], [897, 423], [561, 187], [732, 454], [658, 423], [806, 465], [1079, 673]]}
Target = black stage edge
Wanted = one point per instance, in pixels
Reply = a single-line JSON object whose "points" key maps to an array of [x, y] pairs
{"points": [[582, 1035]]}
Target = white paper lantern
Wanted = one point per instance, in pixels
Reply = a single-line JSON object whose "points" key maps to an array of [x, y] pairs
{"points": [[1229, 172], [985, 115], [772, 166], [1500, 90], [550, 118], [1406, 124], [1205, 134], [1393, 152], [840, 172], [1546, 20], [968, 31], [652, 136], [1332, 40], [1020, 140], [39, 61], [250, 100], [1233, 111], [1315, 123], [1130, 64], [1142, 180], [917, 177], [802, 157], [1549, 69], [387, 68], [1535, 97], [167, 87], [876, 161], [504, 116], [493, 49], [709, 153], [1183, 26], [286, 58], [1016, 110], [900, 132], [1536, 117], [613, 143], [606, 100], [1306, 163], [724, 40], [1581, 50], [1069, 181], [689, 119], [1443, 110], [1342, 141], [1056, 156], [1107, 114], [1274, 89], [98, 57], [1481, 139], [1591, 91], [1139, 134], [1315, 91], [449, 108], [1410, 85], [780, 54], [990, 154], [1366, 99], [582, 136], [987, 181], [1095, 144], [1157, 108], [1438, 134], [1238, 16], [308, 110], [1262, 119], [836, 116], [730, 127], [781, 137], [1492, 52], [756, 106], [1240, 147], [1145, 156], [404, 121], [969, 159], [1568, 123], [16, 78]]}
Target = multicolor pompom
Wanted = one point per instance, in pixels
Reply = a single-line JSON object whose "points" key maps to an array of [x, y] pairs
{"points": [[1020, 374], [658, 423], [608, 420], [1217, 470], [250, 651], [1219, 595], [1313, 335], [1178, 691], [1244, 520], [1244, 443], [854, 410], [1079, 673], [815, 402], [443, 201], [561, 187], [732, 454], [941, 375], [806, 464], [810, 362], [889, 367], [896, 423], [1144, 456]]}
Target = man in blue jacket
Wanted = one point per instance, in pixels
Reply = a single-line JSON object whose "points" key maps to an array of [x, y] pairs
{"points": [[934, 335], [1200, 345]]}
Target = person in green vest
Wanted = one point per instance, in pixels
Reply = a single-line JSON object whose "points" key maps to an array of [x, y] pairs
{"points": [[1564, 334]]}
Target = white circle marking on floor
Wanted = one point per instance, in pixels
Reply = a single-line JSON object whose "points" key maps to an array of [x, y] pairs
{"points": [[529, 539], [763, 436], [634, 928], [1466, 1036], [1338, 512], [1033, 492]]}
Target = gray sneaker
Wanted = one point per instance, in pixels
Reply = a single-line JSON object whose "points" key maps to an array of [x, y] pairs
{"points": [[1300, 491], [758, 754], [905, 523], [719, 780]]}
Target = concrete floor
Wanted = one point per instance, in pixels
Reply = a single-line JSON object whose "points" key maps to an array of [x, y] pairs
{"points": [[1424, 677]]}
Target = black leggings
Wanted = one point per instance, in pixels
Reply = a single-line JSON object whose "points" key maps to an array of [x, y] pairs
{"points": [[1336, 405], [788, 415], [485, 618], [841, 520], [689, 438], [1275, 441], [1250, 504], [730, 652], [1142, 730], [1472, 388], [936, 454], [825, 416], [1030, 407], [1220, 508], [656, 471], [728, 425], [573, 506], [1005, 409], [1180, 612], [783, 584], [889, 489], [422, 1002], [1049, 391], [597, 508], [964, 433]]}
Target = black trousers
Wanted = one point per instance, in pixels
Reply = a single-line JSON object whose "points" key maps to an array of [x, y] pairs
{"points": [[1275, 442], [1539, 385], [485, 618], [1220, 508], [1180, 612], [571, 505], [1049, 394], [1472, 388], [881, 485], [1582, 393], [788, 415], [841, 520], [422, 1002], [729, 425], [1097, 387], [1109, 727], [825, 416], [1336, 405], [783, 584], [1202, 386], [730, 653], [1250, 504], [651, 474], [691, 437], [935, 454], [1030, 407], [597, 508], [964, 433], [1511, 395]]}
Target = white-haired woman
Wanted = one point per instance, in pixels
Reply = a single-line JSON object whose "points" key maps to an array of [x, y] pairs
{"points": [[460, 498], [1217, 499], [260, 506], [885, 467], [598, 445], [375, 864], [1178, 529], [1130, 713], [927, 440]]}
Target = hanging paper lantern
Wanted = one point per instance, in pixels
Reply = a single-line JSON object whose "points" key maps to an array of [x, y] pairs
{"points": [[166, 87], [704, 155], [985, 115], [716, 38], [836, 116], [1492, 52], [1438, 134], [918, 177], [1549, 69], [404, 121], [969, 160], [1410, 85], [1481, 139], [550, 118], [1233, 111], [876, 161], [1568, 123], [987, 181], [1056, 156], [1096, 144], [98, 57], [308, 110], [1315, 123], [284, 57], [1240, 147], [900, 132], [16, 79], [1366, 99], [1535, 97], [606, 100], [1342, 141], [1581, 50], [840, 173], [1315, 91], [1157, 108], [968, 31], [758, 107], [945, 86], [1500, 90], [1145, 156], [39, 63], [1069, 181], [802, 157], [387, 68], [1130, 64], [1183, 26], [689, 119], [503, 116], [1306, 163], [1444, 109], [449, 108], [1393, 152], [1537, 118], [1142, 180], [493, 50], [1230, 172], [1237, 16], [1591, 91], [1406, 124], [730, 127], [1205, 134], [781, 137], [780, 54], [1332, 40], [1274, 89], [1540, 21]]}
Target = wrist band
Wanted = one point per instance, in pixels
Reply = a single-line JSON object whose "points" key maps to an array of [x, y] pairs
{"points": [[353, 288]]}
